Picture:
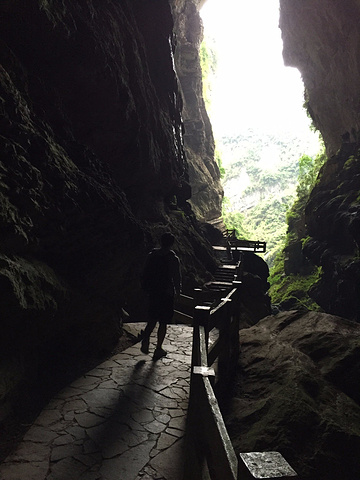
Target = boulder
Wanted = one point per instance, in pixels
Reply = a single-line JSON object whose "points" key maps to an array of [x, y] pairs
{"points": [[297, 392]]}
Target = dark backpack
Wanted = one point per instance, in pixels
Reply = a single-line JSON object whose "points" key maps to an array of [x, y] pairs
{"points": [[156, 275]]}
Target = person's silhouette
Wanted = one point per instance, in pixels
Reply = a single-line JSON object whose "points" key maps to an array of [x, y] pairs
{"points": [[161, 281]]}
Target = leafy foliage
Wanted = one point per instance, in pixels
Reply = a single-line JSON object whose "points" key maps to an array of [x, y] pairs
{"points": [[236, 221], [260, 182], [308, 172], [309, 111], [219, 162], [284, 286], [208, 63], [292, 288]]}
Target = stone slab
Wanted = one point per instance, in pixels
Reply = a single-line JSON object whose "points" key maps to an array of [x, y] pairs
{"points": [[270, 465], [170, 462]]}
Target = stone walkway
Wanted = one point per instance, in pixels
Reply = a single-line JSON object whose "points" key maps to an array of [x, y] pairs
{"points": [[123, 420]]}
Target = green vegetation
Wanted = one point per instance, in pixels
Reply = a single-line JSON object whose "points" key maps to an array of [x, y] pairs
{"points": [[285, 287], [236, 221], [260, 183], [267, 180], [308, 172], [268, 188], [292, 289], [351, 161], [309, 112], [208, 63], [219, 162], [264, 222]]}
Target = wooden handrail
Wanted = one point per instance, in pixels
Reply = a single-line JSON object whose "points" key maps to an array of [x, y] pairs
{"points": [[223, 302], [208, 443], [221, 458], [247, 245], [209, 452]]}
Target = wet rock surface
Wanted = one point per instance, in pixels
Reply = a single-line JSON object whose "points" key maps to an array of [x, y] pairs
{"points": [[297, 393], [332, 216]]}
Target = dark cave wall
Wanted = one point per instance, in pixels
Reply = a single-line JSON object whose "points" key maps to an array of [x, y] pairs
{"points": [[322, 39], [92, 158], [332, 216], [103, 78]]}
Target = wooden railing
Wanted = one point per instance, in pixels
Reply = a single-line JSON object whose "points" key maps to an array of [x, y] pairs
{"points": [[210, 454], [248, 245], [233, 243], [184, 308]]}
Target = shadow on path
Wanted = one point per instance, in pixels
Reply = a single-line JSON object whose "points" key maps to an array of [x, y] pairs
{"points": [[122, 420]]}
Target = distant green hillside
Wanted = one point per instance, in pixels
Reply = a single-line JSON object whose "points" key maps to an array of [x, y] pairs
{"points": [[261, 175]]}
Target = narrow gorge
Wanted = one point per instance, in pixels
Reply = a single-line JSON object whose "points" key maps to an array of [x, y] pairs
{"points": [[106, 144]]}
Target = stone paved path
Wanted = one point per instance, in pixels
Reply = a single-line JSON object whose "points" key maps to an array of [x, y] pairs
{"points": [[123, 420]]}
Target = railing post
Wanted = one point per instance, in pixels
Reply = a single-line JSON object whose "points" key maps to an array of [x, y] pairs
{"points": [[195, 462], [235, 324], [236, 254], [228, 250], [224, 354], [199, 356], [240, 267], [205, 424], [197, 296], [229, 338], [201, 319]]}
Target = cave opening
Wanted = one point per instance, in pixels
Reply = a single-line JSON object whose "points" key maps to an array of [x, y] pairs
{"points": [[96, 133], [256, 108]]}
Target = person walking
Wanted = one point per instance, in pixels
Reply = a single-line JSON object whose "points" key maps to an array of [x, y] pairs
{"points": [[162, 282]]}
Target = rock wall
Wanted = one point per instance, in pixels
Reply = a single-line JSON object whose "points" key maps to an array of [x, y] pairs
{"points": [[297, 392], [93, 170], [321, 39], [204, 175], [332, 216]]}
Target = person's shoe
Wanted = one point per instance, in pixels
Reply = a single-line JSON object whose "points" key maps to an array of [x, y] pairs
{"points": [[145, 346], [159, 353]]}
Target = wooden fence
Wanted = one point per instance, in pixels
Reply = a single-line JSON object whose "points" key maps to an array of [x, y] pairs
{"points": [[210, 454], [235, 244]]}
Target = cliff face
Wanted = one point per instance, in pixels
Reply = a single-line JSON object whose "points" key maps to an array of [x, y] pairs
{"points": [[322, 39], [332, 216], [93, 170], [204, 175]]}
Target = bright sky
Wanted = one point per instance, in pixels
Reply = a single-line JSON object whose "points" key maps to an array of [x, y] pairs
{"points": [[253, 88]]}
